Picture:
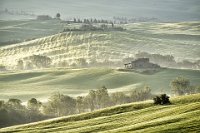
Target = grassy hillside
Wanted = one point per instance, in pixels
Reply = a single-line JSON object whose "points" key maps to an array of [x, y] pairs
{"points": [[181, 116], [178, 39], [21, 30], [40, 84]]}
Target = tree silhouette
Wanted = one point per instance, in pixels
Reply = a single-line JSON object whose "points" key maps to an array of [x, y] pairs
{"points": [[58, 15], [162, 99]]}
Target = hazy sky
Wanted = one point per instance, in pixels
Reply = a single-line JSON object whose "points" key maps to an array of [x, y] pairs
{"points": [[162, 9]]}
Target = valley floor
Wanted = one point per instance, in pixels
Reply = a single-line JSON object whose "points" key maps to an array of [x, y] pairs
{"points": [[41, 84]]}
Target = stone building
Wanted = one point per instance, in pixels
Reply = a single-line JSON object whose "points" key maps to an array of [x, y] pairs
{"points": [[141, 63]]}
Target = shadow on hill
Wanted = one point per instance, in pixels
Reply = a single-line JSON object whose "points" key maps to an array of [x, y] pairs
{"points": [[143, 71]]}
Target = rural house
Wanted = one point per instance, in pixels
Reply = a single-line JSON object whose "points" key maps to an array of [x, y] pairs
{"points": [[141, 63]]}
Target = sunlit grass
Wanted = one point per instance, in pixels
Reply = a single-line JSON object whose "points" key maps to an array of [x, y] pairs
{"points": [[182, 115]]}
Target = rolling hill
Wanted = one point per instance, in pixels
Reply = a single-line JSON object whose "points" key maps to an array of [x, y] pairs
{"points": [[180, 40], [181, 116], [66, 49], [41, 83], [22, 30]]}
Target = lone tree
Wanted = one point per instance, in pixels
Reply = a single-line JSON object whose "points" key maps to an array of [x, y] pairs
{"points": [[58, 16], [180, 86], [162, 99]]}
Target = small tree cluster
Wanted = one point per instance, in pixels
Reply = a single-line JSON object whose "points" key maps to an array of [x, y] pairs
{"points": [[181, 86], [141, 94], [34, 61], [97, 99], [13, 112], [162, 99]]}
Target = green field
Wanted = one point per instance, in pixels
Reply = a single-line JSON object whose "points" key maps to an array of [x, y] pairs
{"points": [[181, 116], [41, 83]]}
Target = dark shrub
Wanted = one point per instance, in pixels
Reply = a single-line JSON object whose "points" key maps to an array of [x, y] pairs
{"points": [[162, 99]]}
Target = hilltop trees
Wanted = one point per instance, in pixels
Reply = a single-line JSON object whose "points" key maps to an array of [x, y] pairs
{"points": [[93, 25], [58, 16]]}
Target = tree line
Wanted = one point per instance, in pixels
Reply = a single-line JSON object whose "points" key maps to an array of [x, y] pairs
{"points": [[91, 27], [89, 21], [14, 112]]}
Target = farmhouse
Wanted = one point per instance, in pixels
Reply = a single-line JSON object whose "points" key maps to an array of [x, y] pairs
{"points": [[141, 63]]}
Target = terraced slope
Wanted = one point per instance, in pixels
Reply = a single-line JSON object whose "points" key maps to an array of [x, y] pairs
{"points": [[181, 116], [178, 39], [40, 84]]}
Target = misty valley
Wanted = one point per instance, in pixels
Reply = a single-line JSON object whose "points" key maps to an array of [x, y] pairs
{"points": [[118, 69]]}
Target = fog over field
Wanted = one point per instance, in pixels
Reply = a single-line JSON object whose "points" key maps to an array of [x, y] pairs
{"points": [[91, 33], [100, 65], [164, 10]]}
